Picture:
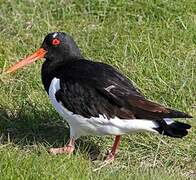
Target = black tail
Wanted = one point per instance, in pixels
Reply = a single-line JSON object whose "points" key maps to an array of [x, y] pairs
{"points": [[175, 129], [177, 114]]}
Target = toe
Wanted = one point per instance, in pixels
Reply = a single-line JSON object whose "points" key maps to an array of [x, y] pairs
{"points": [[55, 150], [110, 157], [66, 150]]}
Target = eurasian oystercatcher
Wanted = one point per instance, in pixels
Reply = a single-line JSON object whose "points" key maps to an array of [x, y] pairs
{"points": [[96, 99]]}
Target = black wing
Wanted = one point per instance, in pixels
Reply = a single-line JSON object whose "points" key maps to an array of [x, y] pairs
{"points": [[90, 88]]}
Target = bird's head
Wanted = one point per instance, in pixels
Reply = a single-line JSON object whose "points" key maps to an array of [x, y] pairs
{"points": [[57, 46]]}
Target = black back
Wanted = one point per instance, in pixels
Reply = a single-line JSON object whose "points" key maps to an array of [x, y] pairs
{"points": [[92, 88]]}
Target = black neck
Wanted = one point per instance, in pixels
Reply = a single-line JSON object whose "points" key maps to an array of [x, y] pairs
{"points": [[52, 69]]}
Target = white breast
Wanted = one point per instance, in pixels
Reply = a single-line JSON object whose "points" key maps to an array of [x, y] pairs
{"points": [[80, 126]]}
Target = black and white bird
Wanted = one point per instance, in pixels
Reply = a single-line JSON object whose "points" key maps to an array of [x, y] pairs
{"points": [[96, 99]]}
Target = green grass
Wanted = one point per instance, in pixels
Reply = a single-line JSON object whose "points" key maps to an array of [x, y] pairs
{"points": [[152, 42]]}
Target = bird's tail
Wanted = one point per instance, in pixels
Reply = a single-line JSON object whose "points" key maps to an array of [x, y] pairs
{"points": [[172, 128], [177, 114]]}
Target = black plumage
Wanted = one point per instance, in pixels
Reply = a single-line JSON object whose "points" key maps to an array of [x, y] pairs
{"points": [[92, 88], [101, 89], [95, 98]]}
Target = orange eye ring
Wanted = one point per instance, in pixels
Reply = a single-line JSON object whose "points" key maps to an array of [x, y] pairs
{"points": [[56, 42]]}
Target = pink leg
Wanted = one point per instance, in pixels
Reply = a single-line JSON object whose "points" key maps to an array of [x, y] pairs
{"points": [[110, 157], [68, 149]]}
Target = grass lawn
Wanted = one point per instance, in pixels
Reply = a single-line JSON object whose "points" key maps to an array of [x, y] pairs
{"points": [[152, 42]]}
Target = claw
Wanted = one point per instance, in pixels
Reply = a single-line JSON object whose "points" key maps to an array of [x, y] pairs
{"points": [[68, 149], [62, 150], [109, 159]]}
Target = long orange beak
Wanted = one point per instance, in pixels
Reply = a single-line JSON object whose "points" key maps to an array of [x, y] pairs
{"points": [[30, 59]]}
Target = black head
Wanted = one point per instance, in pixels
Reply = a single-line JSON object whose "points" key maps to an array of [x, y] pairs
{"points": [[60, 46], [56, 47]]}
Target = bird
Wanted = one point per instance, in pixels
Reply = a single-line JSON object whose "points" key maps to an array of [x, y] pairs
{"points": [[95, 98]]}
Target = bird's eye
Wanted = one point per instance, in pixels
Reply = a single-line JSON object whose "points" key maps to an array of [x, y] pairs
{"points": [[56, 42]]}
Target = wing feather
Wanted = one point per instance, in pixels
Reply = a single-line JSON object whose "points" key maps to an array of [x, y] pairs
{"points": [[114, 92]]}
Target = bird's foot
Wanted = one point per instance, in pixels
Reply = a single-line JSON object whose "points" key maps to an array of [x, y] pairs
{"points": [[108, 160], [63, 150], [68, 149]]}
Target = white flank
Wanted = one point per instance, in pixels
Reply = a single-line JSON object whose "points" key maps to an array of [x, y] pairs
{"points": [[81, 126]]}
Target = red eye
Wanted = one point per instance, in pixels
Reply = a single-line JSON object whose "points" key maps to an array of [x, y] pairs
{"points": [[56, 42]]}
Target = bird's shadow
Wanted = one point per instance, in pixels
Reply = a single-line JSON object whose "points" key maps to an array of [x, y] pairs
{"points": [[22, 129]]}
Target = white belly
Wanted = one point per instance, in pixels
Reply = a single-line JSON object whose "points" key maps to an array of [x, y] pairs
{"points": [[81, 126]]}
